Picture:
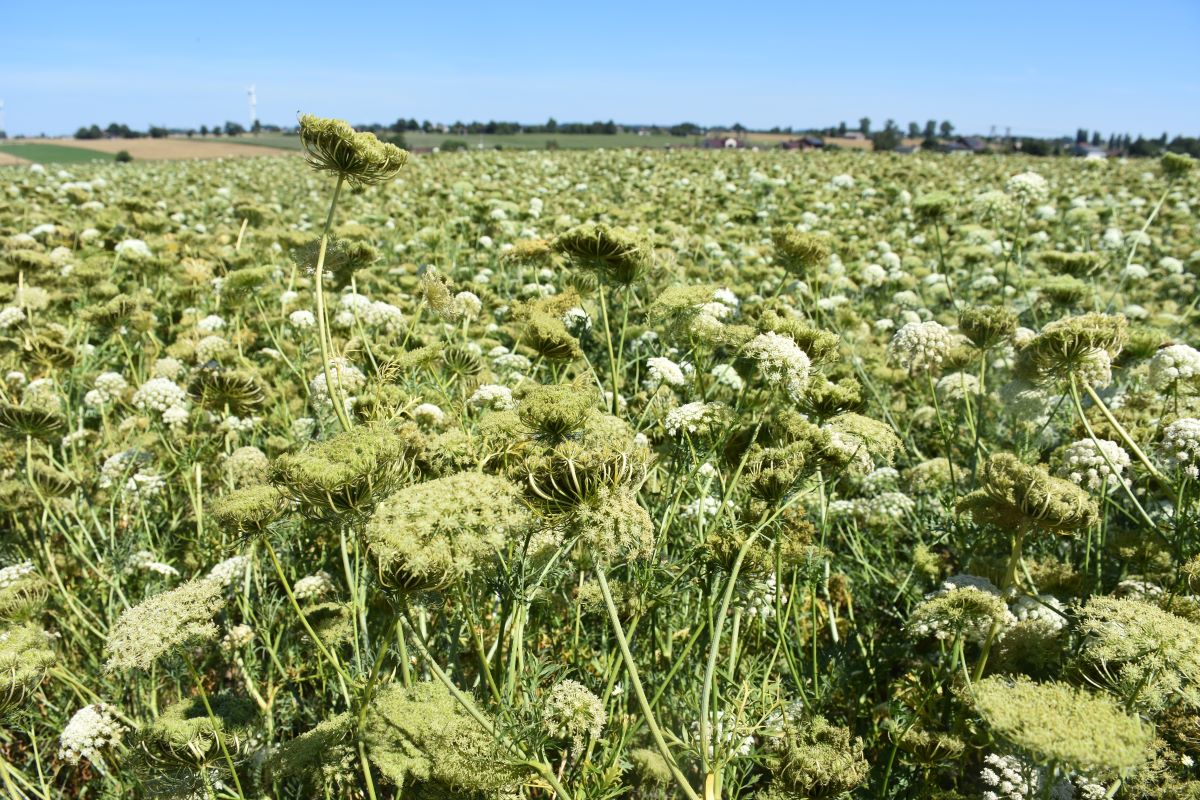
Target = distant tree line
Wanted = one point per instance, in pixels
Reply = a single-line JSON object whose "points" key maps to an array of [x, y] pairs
{"points": [[933, 135], [117, 130]]}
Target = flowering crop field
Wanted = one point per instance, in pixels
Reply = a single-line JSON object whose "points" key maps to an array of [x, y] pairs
{"points": [[611, 474]]}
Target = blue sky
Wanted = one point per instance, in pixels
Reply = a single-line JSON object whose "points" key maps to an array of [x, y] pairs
{"points": [[1043, 68]]}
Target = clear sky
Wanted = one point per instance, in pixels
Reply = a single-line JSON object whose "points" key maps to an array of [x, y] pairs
{"points": [[1043, 68]]}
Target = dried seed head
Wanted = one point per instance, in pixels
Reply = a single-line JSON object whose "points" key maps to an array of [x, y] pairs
{"points": [[331, 145]]}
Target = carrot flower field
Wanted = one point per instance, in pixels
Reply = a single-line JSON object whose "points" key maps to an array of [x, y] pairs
{"points": [[595, 475]]}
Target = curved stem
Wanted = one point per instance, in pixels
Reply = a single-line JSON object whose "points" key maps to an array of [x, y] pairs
{"points": [[631, 668]]}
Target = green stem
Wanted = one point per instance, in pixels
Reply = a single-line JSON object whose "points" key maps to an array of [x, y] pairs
{"points": [[631, 668], [335, 396]]}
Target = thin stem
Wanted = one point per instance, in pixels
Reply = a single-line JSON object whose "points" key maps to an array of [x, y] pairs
{"points": [[631, 668], [331, 388]]}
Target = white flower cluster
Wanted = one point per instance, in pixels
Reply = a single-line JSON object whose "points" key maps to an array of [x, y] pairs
{"points": [[1010, 778], [109, 386], [1044, 608], [229, 571], [573, 712], [91, 730], [689, 418], [1174, 364], [144, 485], [302, 318], [135, 249], [10, 316], [781, 361], [169, 368], [374, 315], [314, 587], [977, 629], [429, 415], [210, 324], [146, 560], [727, 376], [513, 366], [159, 394], [15, 573], [494, 397], [467, 305], [349, 379], [1180, 447], [577, 320], [665, 371], [957, 386], [237, 637], [1028, 188], [921, 345], [1094, 463], [884, 508], [211, 347]]}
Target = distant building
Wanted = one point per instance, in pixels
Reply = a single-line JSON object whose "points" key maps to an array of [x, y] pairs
{"points": [[854, 135], [1089, 151], [973, 143], [803, 143], [955, 148], [722, 142]]}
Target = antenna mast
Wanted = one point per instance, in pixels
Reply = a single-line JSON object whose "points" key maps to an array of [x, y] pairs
{"points": [[253, 106]]}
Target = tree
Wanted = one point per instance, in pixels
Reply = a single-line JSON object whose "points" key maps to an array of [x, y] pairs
{"points": [[864, 126], [204, 130], [888, 138], [947, 129], [551, 125], [1081, 136], [256, 127], [234, 129], [841, 129], [158, 132], [1096, 140], [738, 128], [914, 130], [92, 132], [931, 129], [685, 129]]}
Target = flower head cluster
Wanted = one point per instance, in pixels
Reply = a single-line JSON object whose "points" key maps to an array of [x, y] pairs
{"points": [[966, 611], [1180, 446], [697, 419], [920, 346], [1175, 365], [1061, 724], [1094, 463], [1028, 188], [92, 731], [331, 145], [573, 712], [347, 377], [162, 623], [161, 395], [781, 361], [664, 371], [493, 396]]}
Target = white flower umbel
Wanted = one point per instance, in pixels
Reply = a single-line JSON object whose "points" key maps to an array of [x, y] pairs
{"points": [[920, 346], [92, 731], [1180, 447], [780, 361], [1175, 365], [1094, 464]]}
